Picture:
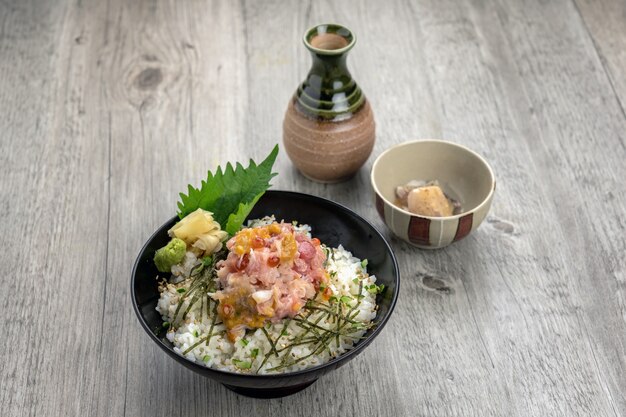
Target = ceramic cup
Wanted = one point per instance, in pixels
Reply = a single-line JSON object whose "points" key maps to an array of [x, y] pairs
{"points": [[462, 174]]}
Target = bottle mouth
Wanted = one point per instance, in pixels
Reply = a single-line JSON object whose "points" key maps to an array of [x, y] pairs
{"points": [[329, 39]]}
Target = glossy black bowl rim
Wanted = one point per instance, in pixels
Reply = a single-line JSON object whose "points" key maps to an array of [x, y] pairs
{"points": [[273, 377]]}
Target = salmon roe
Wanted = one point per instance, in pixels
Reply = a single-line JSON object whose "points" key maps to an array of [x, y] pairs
{"points": [[247, 239], [273, 261]]}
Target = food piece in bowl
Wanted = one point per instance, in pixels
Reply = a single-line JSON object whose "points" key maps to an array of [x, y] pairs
{"points": [[269, 274], [201, 231], [426, 199], [429, 201], [402, 191], [170, 254]]}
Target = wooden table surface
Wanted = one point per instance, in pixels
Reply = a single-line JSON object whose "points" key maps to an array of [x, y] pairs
{"points": [[109, 108]]}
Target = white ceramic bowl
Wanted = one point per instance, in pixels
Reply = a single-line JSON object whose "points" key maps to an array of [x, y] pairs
{"points": [[462, 174]]}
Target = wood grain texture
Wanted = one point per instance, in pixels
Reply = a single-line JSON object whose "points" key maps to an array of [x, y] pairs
{"points": [[109, 108], [606, 23]]}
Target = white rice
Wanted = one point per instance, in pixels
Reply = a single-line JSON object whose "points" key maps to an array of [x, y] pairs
{"points": [[346, 274]]}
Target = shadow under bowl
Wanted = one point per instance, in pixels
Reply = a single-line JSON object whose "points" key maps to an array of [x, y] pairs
{"points": [[462, 174], [333, 224]]}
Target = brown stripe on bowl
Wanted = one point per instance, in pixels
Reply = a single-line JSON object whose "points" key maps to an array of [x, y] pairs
{"points": [[419, 231], [464, 227]]}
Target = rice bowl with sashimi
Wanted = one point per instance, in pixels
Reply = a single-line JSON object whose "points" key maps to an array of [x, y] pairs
{"points": [[265, 298], [273, 299]]}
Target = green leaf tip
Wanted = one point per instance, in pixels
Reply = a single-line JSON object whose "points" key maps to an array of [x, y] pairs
{"points": [[230, 193]]}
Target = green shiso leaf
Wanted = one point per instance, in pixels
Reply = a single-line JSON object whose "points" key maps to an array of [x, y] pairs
{"points": [[230, 194], [235, 220]]}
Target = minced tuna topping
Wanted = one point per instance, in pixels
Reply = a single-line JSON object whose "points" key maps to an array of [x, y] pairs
{"points": [[269, 274]]}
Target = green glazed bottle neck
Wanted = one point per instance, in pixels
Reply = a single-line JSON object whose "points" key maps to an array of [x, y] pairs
{"points": [[329, 92]]}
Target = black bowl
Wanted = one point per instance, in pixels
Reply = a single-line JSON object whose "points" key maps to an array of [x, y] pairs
{"points": [[333, 224]]}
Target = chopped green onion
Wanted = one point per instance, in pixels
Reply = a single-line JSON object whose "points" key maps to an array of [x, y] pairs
{"points": [[255, 353], [242, 364], [166, 324], [345, 299], [206, 358], [375, 289], [181, 290], [195, 333], [364, 263], [244, 342], [356, 280]]}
